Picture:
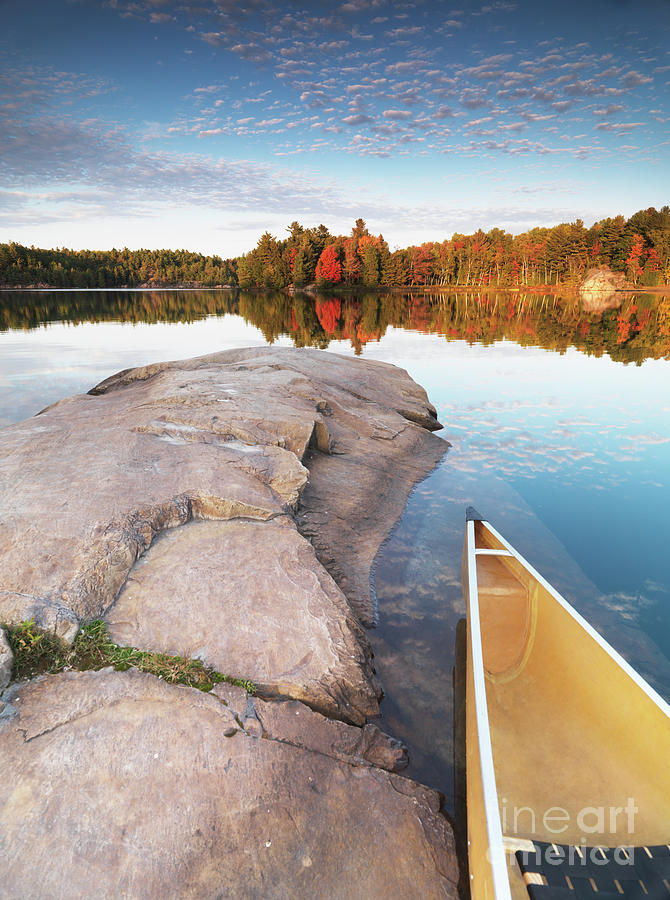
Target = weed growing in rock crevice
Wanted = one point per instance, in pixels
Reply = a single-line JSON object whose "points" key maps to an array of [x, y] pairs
{"points": [[38, 652]]}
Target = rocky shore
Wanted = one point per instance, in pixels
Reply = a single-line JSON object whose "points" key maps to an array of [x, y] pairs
{"points": [[604, 289], [226, 508]]}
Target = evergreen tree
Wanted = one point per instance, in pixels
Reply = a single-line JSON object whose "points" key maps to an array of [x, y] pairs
{"points": [[370, 265]]}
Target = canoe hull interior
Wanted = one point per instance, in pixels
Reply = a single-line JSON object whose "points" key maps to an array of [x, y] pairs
{"points": [[580, 745]]}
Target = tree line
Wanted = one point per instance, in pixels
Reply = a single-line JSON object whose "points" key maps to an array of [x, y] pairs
{"points": [[21, 266], [638, 247]]}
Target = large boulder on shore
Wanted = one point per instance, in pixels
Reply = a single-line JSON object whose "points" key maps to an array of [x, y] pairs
{"points": [[124, 786], [603, 289]]}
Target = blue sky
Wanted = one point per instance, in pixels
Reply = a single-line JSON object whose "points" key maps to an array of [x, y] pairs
{"points": [[202, 123]]}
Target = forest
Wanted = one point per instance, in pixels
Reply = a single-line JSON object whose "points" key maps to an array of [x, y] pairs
{"points": [[638, 247], [22, 266]]}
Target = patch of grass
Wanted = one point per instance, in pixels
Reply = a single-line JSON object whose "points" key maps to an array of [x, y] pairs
{"points": [[37, 652]]}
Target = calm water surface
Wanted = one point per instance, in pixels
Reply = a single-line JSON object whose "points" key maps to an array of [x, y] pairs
{"points": [[558, 418]]}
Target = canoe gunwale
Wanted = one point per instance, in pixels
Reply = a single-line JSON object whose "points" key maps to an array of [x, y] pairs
{"points": [[497, 857]]}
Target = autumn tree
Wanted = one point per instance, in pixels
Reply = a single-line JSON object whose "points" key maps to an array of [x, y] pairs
{"points": [[421, 264], [444, 263], [328, 268], [634, 259]]}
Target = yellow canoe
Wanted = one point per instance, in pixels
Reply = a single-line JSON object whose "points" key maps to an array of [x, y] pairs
{"points": [[567, 746]]}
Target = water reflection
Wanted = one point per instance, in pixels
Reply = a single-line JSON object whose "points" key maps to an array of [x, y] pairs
{"points": [[637, 329], [569, 456]]}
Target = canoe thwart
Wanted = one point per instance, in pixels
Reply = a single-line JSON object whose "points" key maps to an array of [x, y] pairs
{"points": [[514, 845], [480, 551]]}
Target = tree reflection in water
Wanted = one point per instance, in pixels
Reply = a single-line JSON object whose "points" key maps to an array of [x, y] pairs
{"points": [[638, 328]]}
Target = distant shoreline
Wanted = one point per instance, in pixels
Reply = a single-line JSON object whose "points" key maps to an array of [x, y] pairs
{"points": [[352, 290]]}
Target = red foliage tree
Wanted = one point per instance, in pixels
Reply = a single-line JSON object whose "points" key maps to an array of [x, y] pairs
{"points": [[328, 267], [653, 262], [367, 240], [422, 263], [633, 262]]}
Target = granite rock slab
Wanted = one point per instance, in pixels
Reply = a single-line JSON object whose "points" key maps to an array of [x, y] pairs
{"points": [[87, 485], [250, 599], [367, 439], [125, 786]]}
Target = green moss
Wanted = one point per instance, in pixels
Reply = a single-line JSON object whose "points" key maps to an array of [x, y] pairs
{"points": [[37, 652]]}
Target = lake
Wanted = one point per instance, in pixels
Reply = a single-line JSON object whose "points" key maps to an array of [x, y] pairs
{"points": [[558, 416]]}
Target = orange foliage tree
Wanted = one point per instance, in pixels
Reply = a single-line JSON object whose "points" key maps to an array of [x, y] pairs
{"points": [[633, 266], [328, 268]]}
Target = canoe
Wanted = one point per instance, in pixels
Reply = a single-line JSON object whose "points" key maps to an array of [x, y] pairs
{"points": [[567, 746]]}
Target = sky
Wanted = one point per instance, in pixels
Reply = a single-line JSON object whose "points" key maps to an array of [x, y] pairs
{"points": [[203, 123]]}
